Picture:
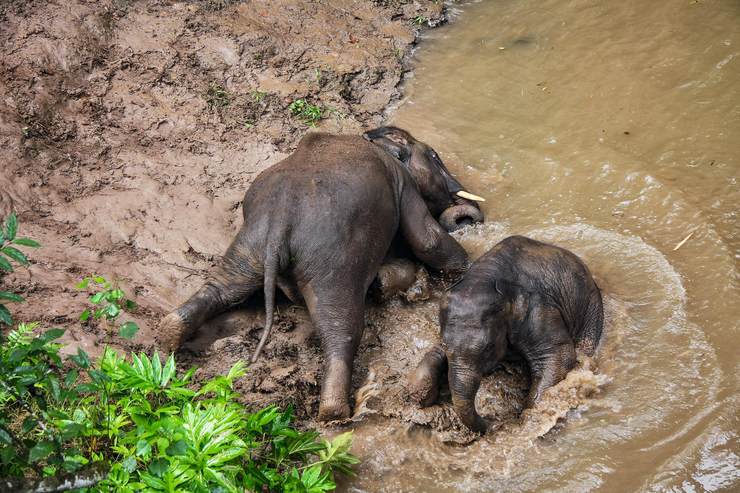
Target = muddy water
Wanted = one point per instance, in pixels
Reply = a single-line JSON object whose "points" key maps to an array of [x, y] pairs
{"points": [[612, 129]]}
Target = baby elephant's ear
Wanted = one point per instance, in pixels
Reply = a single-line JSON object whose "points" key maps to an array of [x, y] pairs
{"points": [[394, 140]]}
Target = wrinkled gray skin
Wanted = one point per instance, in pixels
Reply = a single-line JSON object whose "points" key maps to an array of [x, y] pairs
{"points": [[532, 298], [318, 225]]}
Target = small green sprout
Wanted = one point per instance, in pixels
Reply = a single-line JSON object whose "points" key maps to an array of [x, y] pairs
{"points": [[258, 96], [109, 301], [420, 19], [309, 113]]}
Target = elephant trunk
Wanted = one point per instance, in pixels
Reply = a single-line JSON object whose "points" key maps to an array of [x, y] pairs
{"points": [[464, 383], [462, 214]]}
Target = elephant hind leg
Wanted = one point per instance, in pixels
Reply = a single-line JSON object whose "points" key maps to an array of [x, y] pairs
{"points": [[231, 283], [593, 325], [548, 349], [549, 369], [338, 314]]}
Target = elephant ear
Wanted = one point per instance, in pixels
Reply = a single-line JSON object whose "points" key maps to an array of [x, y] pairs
{"points": [[393, 140]]}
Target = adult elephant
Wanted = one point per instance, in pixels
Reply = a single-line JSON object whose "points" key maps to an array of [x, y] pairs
{"points": [[318, 225]]}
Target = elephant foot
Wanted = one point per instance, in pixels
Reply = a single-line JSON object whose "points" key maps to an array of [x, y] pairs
{"points": [[170, 332], [420, 290], [425, 381], [334, 404], [333, 411], [395, 277], [423, 389]]}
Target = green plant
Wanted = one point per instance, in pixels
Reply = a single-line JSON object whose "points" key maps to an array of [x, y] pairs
{"points": [[309, 113], [217, 96], [420, 19], [258, 95], [108, 301], [149, 427], [7, 253]]}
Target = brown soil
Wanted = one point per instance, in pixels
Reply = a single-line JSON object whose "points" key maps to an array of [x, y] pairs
{"points": [[129, 132]]}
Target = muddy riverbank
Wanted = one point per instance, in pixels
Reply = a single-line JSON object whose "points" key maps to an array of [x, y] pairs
{"points": [[129, 132]]}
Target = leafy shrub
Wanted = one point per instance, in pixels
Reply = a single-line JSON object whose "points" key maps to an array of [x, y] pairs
{"points": [[110, 301], [153, 429], [8, 253], [308, 113]]}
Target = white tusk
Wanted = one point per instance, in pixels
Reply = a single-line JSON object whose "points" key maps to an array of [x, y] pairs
{"points": [[465, 195]]}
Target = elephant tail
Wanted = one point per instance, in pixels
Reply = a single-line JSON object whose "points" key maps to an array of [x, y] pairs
{"points": [[270, 280]]}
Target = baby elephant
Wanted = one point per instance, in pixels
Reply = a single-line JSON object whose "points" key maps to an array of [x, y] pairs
{"points": [[537, 299]]}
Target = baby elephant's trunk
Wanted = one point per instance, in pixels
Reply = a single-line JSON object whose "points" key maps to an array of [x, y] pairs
{"points": [[464, 383]]}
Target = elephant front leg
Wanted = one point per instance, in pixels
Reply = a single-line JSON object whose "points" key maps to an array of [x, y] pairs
{"points": [[425, 381], [338, 316]]}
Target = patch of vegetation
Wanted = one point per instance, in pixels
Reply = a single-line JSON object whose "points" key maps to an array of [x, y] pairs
{"points": [[152, 429], [8, 253], [217, 96], [308, 113], [108, 301]]}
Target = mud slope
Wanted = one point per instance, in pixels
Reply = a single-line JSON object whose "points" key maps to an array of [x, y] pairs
{"points": [[129, 131]]}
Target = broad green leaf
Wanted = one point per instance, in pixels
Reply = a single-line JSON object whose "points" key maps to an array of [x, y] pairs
{"points": [[159, 466], [15, 254], [72, 430], [5, 316], [27, 242], [143, 448], [5, 437], [168, 371], [129, 464], [83, 283], [84, 316], [71, 377], [5, 265], [53, 384], [112, 311], [11, 226], [129, 305], [114, 295], [52, 335], [180, 447], [99, 279], [40, 451], [7, 295], [17, 355], [128, 330], [97, 297], [29, 424], [81, 358]]}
